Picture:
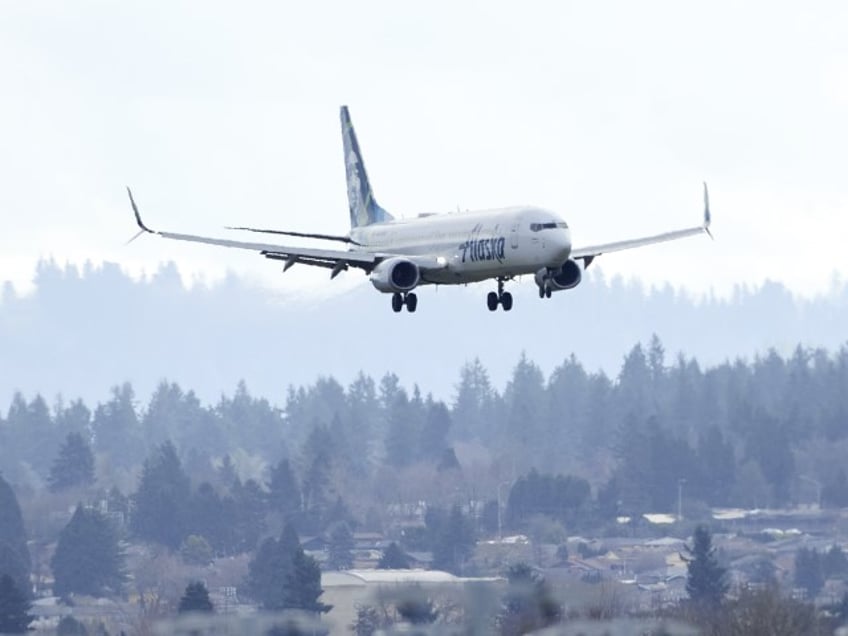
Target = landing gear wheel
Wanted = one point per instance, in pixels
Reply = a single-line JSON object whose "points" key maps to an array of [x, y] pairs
{"points": [[541, 292], [506, 301], [411, 302], [397, 303], [492, 301], [547, 292]]}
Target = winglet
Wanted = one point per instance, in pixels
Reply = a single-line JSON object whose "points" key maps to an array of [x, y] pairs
{"points": [[138, 220], [707, 215]]}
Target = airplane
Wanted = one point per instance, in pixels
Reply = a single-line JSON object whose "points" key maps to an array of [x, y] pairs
{"points": [[400, 255]]}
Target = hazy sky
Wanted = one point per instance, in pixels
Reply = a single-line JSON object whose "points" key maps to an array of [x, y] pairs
{"points": [[610, 112]]}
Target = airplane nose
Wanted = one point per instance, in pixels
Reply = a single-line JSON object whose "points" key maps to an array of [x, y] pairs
{"points": [[561, 242]]}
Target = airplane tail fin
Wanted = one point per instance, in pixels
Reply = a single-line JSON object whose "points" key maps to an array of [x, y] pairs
{"points": [[364, 209]]}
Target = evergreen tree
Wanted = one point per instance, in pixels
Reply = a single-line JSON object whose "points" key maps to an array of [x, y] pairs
{"points": [[14, 554], [178, 416], [251, 507], [448, 461], [12, 564], [540, 494], [474, 402], [266, 571], [88, 558], [227, 475], [14, 607], [340, 513], [317, 457], [401, 431], [281, 576], [75, 418], [283, 490], [117, 431], [808, 571], [213, 517], [305, 584], [434, 432], [33, 439], [196, 599], [524, 433], [453, 539], [363, 411], [74, 466], [717, 467], [162, 499], [341, 547], [393, 558], [706, 580]]}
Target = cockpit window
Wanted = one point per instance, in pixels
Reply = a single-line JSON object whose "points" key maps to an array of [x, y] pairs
{"points": [[537, 227]]}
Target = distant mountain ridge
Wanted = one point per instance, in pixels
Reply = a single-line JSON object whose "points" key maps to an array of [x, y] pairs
{"points": [[79, 333]]}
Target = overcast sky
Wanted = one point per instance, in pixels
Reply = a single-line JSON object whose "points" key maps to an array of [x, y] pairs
{"points": [[611, 113]]}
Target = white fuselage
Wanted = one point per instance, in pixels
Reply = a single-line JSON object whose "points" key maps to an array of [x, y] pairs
{"points": [[474, 246]]}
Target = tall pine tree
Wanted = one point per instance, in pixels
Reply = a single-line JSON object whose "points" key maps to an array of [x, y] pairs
{"points": [[706, 581], [162, 499], [283, 491], [74, 466], [281, 576], [14, 555], [88, 558], [196, 599], [341, 547]]}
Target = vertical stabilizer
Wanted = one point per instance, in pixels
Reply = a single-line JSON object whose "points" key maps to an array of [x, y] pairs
{"points": [[364, 209]]}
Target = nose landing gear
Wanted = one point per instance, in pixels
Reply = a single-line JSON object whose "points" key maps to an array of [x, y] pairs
{"points": [[502, 298], [408, 298]]}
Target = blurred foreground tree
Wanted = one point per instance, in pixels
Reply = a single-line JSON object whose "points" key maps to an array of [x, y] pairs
{"points": [[528, 604]]}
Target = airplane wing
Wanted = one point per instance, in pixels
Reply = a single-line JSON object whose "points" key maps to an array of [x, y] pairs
{"points": [[335, 260], [590, 252]]}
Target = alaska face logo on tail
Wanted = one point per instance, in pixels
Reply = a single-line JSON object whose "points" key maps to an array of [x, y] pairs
{"points": [[364, 209]]}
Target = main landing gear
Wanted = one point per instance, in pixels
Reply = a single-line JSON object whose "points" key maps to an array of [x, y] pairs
{"points": [[502, 298], [408, 298]]}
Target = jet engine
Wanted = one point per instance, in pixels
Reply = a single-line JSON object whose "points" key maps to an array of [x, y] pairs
{"points": [[395, 275], [566, 277]]}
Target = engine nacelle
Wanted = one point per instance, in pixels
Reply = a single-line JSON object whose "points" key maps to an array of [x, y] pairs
{"points": [[395, 275], [566, 277]]}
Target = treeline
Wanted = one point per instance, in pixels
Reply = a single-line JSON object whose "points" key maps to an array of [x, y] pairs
{"points": [[766, 432]]}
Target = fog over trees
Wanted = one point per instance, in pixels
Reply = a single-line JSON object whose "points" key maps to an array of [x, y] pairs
{"points": [[98, 320]]}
